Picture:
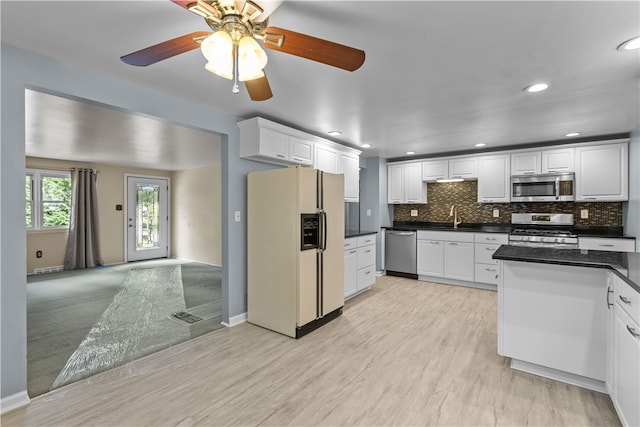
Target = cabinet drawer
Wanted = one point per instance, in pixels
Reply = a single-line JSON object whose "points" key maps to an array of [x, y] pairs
{"points": [[366, 256], [484, 253], [494, 238], [486, 274], [607, 244], [366, 277], [369, 239], [627, 298], [350, 243], [447, 236]]}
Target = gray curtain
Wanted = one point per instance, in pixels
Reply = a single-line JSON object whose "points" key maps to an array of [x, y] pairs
{"points": [[83, 250]]}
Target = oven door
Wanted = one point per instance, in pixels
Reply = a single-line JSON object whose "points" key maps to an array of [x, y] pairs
{"points": [[543, 244], [543, 188]]}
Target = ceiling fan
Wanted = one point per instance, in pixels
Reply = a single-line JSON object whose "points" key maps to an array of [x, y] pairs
{"points": [[232, 51]]}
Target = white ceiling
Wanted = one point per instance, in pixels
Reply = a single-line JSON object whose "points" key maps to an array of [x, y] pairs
{"points": [[438, 77]]}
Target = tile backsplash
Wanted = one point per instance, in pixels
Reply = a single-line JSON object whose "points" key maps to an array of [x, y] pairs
{"points": [[441, 196]]}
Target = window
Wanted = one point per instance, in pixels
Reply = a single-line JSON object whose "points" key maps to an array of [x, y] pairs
{"points": [[48, 199]]}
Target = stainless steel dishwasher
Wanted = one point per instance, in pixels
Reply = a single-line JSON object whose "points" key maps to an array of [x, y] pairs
{"points": [[400, 253]]}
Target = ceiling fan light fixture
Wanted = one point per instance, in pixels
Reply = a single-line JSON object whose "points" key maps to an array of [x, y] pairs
{"points": [[218, 49], [538, 87], [251, 59]]}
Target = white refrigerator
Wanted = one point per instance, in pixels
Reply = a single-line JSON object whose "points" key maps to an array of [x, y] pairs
{"points": [[295, 249]]}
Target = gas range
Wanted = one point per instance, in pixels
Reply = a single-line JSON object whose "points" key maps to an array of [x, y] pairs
{"points": [[542, 230]]}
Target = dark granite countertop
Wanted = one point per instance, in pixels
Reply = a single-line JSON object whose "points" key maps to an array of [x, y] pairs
{"points": [[580, 230], [615, 261], [356, 233]]}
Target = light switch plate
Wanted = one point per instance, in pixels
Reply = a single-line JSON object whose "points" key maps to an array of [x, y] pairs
{"points": [[496, 213], [368, 212], [237, 216], [584, 213], [414, 212]]}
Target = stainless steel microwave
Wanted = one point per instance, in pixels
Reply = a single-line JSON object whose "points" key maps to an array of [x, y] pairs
{"points": [[552, 187]]}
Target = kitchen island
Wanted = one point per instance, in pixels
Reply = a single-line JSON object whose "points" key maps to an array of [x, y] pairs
{"points": [[572, 315]]}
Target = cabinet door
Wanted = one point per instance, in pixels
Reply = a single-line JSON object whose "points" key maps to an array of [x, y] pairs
{"points": [[274, 144], [366, 277], [463, 168], [435, 169], [415, 190], [395, 184], [300, 151], [350, 167], [350, 271], [458, 261], [493, 179], [602, 173], [430, 257], [560, 160], [526, 163], [627, 368], [326, 159]]}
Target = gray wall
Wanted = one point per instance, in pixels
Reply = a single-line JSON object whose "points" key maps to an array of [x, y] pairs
{"points": [[373, 196], [22, 69], [632, 214]]}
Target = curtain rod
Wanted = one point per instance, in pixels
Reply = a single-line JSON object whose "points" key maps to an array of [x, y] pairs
{"points": [[53, 168]]}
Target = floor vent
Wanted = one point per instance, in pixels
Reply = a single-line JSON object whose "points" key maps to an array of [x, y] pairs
{"points": [[52, 269], [186, 317]]}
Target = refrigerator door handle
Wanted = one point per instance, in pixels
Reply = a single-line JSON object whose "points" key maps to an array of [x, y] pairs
{"points": [[324, 231]]}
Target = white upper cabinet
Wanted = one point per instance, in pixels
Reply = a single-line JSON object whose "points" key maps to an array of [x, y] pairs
{"points": [[494, 179], [326, 158], [404, 183], [545, 161], [350, 167], [435, 169], [464, 167], [526, 163], [559, 160], [602, 172], [266, 141]]}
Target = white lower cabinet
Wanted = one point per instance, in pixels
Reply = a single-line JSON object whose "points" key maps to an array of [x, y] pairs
{"points": [[486, 268], [624, 368], [447, 254], [359, 264]]}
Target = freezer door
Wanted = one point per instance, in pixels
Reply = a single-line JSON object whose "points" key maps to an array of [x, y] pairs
{"points": [[332, 290]]}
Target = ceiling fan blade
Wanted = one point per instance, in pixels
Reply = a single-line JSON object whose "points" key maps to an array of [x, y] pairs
{"points": [[164, 50], [313, 48], [259, 89], [183, 3]]}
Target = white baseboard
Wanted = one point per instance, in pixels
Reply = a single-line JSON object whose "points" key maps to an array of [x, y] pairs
{"points": [[554, 374], [445, 281], [236, 320], [14, 401], [192, 260]]}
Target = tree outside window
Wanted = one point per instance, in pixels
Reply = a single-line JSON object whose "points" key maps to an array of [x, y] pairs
{"points": [[48, 199]]}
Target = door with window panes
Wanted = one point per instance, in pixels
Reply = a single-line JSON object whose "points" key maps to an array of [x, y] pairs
{"points": [[147, 218]]}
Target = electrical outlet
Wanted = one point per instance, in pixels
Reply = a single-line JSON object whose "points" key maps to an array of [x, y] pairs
{"points": [[496, 213], [237, 216], [414, 212], [584, 213]]}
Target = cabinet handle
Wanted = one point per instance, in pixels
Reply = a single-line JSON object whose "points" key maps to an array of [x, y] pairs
{"points": [[353, 251], [452, 244], [491, 239], [281, 156], [605, 246], [490, 269], [434, 242], [633, 332], [368, 251], [624, 299], [609, 292], [368, 272], [489, 249], [298, 159], [590, 198]]}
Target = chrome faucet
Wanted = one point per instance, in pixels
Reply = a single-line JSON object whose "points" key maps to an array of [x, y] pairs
{"points": [[456, 219]]}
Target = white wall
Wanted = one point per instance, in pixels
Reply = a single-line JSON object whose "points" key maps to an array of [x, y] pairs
{"points": [[196, 208]]}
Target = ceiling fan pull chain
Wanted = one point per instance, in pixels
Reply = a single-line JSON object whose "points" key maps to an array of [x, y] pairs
{"points": [[235, 89]]}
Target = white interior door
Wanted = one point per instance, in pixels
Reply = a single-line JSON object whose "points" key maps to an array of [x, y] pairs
{"points": [[147, 218]]}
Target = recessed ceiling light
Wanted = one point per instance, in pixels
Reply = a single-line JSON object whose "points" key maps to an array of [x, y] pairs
{"points": [[366, 146], [480, 144], [570, 134], [538, 87], [334, 132], [410, 152], [630, 44]]}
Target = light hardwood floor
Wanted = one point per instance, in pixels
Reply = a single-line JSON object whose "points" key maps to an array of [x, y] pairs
{"points": [[404, 353]]}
